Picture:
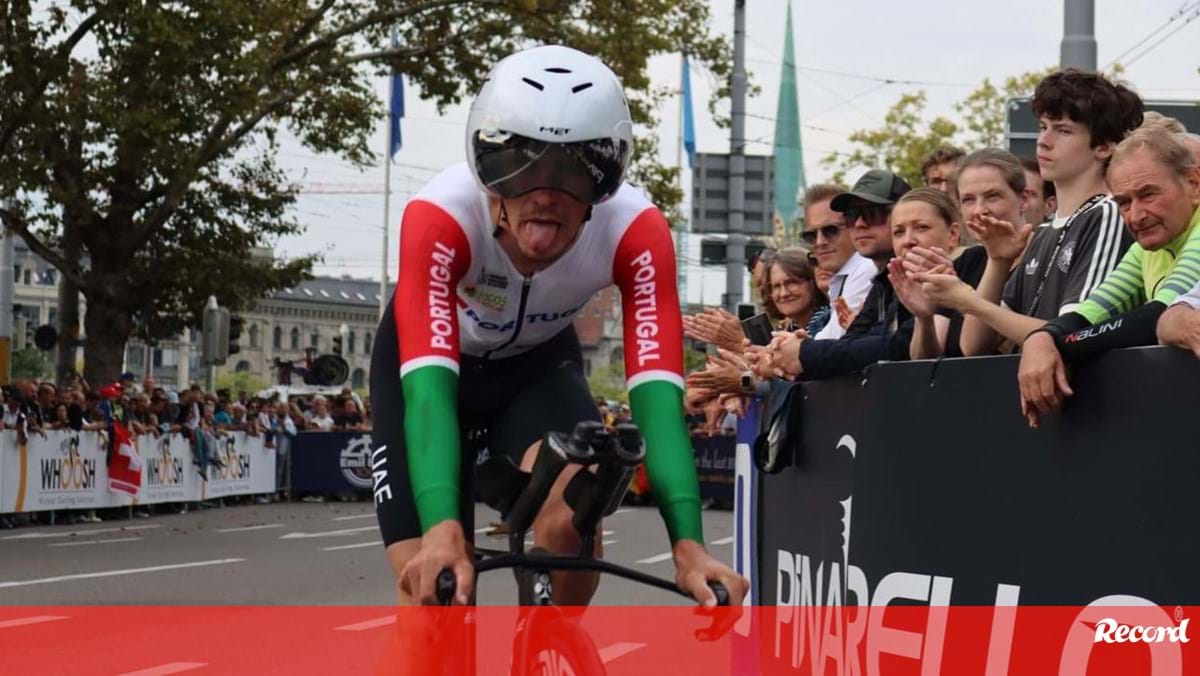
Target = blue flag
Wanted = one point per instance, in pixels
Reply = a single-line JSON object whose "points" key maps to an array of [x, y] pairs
{"points": [[689, 126], [397, 111]]}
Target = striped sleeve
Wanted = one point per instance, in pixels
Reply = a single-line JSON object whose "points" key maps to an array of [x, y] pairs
{"points": [[1186, 272], [1101, 243], [434, 255], [644, 271], [1121, 291]]}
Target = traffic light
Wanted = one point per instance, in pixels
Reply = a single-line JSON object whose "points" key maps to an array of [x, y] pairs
{"points": [[235, 331], [214, 333], [337, 345]]}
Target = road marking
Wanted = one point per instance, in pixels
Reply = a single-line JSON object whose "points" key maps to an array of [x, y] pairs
{"points": [[74, 533], [36, 619], [91, 542], [616, 650], [327, 533], [608, 542], [723, 541], [623, 510], [246, 528], [111, 573], [659, 558], [368, 624], [355, 516], [607, 532], [164, 669], [483, 530], [374, 543]]}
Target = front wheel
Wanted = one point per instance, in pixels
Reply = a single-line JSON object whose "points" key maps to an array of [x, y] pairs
{"points": [[551, 643]]}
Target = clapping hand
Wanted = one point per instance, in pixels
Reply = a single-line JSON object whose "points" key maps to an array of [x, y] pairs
{"points": [[1002, 240], [717, 326]]}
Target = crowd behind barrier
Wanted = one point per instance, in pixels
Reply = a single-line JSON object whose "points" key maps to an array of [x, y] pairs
{"points": [[68, 470], [56, 447], [68, 451]]}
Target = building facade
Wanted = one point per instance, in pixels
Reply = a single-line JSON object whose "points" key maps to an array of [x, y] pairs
{"points": [[309, 316]]}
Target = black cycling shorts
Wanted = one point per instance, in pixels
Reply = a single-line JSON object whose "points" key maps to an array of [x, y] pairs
{"points": [[504, 405]]}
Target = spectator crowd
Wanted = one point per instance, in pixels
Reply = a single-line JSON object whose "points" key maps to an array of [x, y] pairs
{"points": [[202, 418], [1091, 245]]}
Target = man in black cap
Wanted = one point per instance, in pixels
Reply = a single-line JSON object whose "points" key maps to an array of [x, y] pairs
{"points": [[883, 327]]}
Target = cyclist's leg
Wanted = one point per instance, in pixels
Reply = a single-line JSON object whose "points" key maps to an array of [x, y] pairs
{"points": [[394, 504], [556, 400], [554, 532]]}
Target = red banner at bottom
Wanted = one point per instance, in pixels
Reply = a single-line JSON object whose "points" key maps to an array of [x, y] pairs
{"points": [[810, 640]]}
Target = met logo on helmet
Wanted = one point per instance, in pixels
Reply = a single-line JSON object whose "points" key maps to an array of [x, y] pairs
{"points": [[557, 131]]}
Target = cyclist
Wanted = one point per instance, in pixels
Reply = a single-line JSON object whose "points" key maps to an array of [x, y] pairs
{"points": [[497, 255]]}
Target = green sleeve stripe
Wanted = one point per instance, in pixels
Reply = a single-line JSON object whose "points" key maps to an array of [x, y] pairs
{"points": [[1189, 266], [670, 462], [1167, 293], [433, 443], [1119, 289], [1125, 279], [1180, 281], [1096, 309]]}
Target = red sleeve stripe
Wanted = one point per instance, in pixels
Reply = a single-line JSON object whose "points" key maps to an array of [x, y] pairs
{"points": [[644, 271], [434, 256]]}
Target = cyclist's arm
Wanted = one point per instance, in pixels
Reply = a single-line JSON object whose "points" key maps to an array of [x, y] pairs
{"points": [[434, 255], [644, 271]]}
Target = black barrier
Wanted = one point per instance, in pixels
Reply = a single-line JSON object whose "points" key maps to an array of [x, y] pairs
{"points": [[332, 462], [715, 458], [931, 471]]}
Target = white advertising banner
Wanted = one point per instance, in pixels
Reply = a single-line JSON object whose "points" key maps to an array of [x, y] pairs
{"points": [[168, 474], [62, 469], [55, 470], [246, 468]]}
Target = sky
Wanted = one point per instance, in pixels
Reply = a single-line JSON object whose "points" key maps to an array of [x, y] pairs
{"points": [[854, 59]]}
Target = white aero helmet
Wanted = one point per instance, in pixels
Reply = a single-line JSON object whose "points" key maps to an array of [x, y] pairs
{"points": [[550, 117]]}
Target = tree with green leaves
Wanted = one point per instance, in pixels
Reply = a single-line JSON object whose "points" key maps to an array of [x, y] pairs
{"points": [[985, 109], [30, 363], [238, 381], [144, 167], [900, 144], [905, 137]]}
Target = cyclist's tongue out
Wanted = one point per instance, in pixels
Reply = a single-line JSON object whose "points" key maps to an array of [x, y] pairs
{"points": [[539, 236]]}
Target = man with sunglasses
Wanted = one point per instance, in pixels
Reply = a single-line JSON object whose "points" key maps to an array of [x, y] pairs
{"points": [[477, 345], [826, 235], [883, 327]]}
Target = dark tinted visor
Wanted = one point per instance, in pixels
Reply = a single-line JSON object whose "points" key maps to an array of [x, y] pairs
{"points": [[589, 171]]}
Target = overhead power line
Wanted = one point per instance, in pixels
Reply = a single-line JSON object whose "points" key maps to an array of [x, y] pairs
{"points": [[1175, 16], [1195, 12]]}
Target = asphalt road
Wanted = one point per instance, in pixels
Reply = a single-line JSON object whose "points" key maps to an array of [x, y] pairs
{"points": [[283, 554]]}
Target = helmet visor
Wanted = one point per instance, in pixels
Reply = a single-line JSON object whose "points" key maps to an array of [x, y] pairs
{"points": [[510, 165]]}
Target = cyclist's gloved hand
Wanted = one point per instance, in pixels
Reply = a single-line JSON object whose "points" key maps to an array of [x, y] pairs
{"points": [[442, 546], [695, 568]]}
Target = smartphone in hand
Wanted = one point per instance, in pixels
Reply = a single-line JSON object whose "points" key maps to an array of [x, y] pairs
{"points": [[758, 329]]}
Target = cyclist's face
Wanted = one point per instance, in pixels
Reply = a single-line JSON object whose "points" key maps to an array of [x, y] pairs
{"points": [[543, 223]]}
